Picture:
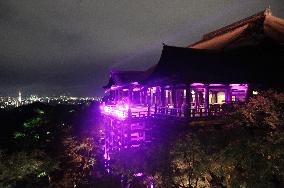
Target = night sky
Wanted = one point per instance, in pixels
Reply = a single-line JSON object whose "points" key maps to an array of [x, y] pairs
{"points": [[69, 46]]}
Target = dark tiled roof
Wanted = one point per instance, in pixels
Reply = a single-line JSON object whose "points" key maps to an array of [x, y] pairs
{"points": [[249, 31], [123, 78], [248, 51], [252, 64]]}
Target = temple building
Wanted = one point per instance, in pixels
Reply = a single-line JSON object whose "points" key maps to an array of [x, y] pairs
{"points": [[194, 83], [200, 80]]}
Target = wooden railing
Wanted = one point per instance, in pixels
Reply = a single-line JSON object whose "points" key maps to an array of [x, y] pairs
{"points": [[213, 110]]}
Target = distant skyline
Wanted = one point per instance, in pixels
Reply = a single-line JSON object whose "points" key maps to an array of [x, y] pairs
{"points": [[69, 46]]}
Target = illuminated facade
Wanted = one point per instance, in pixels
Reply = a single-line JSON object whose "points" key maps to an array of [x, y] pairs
{"points": [[198, 81], [226, 66]]}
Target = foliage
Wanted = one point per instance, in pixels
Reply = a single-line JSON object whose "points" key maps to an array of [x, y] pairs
{"points": [[188, 162], [25, 169], [249, 161], [60, 147], [261, 111], [78, 161]]}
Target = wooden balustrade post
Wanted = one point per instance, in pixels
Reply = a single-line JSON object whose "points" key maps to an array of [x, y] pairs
{"points": [[228, 94], [206, 99], [188, 98], [129, 113], [163, 97], [174, 96], [156, 108], [130, 95], [149, 110]]}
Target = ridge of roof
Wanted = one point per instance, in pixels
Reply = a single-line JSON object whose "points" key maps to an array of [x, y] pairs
{"points": [[228, 28], [125, 71]]}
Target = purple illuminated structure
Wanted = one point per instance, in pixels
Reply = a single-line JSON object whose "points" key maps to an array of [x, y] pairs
{"points": [[197, 81], [225, 66], [202, 100]]}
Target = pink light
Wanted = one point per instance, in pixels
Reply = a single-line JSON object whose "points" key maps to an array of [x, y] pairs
{"points": [[120, 114], [119, 111], [239, 86], [197, 84], [114, 87], [137, 88], [124, 107], [127, 106], [138, 174], [216, 85], [135, 83], [107, 109]]}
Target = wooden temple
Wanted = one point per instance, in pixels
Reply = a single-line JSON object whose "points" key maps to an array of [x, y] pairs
{"points": [[194, 82], [226, 66]]}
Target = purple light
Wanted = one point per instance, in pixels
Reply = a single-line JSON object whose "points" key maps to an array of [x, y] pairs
{"points": [[107, 109], [137, 88], [114, 87], [197, 84], [239, 86], [135, 83], [216, 85], [139, 174], [119, 110]]}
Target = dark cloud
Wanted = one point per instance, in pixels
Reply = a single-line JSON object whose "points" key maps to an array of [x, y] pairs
{"points": [[69, 45]]}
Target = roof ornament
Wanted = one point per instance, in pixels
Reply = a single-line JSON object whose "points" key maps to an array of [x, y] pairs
{"points": [[268, 11]]}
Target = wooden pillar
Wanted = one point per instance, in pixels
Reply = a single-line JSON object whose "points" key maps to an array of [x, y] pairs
{"points": [[150, 97], [129, 113], [140, 97], [163, 97], [196, 103], [115, 95], [146, 96], [228, 94], [206, 98], [188, 101], [174, 96], [130, 94], [249, 91], [120, 94]]}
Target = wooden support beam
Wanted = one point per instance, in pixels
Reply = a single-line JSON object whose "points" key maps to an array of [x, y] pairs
{"points": [[206, 98], [188, 101], [130, 95], [196, 103], [228, 94], [163, 97], [174, 96], [249, 92], [140, 97], [146, 96], [115, 95]]}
